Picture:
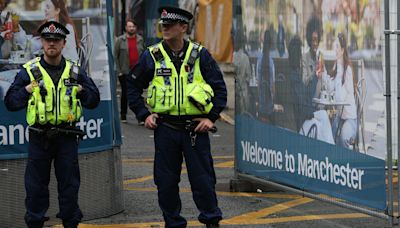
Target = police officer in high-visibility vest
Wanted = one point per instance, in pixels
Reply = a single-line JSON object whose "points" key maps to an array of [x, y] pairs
{"points": [[53, 90], [185, 94]]}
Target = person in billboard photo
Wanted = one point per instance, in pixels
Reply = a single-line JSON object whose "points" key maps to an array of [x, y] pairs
{"points": [[184, 104], [344, 126], [309, 122], [266, 81], [311, 66], [12, 35], [53, 135], [243, 74], [55, 10]]}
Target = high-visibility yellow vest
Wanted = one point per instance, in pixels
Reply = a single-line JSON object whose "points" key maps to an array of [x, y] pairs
{"points": [[186, 94], [51, 104]]}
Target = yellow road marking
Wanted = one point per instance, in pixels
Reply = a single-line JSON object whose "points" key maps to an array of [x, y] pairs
{"points": [[243, 218], [220, 193], [228, 164], [138, 180], [128, 160], [296, 219], [230, 222]]}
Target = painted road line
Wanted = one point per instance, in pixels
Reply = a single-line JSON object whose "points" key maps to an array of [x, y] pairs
{"points": [[138, 180], [228, 164], [244, 218], [233, 194], [129, 160], [297, 219], [224, 222]]}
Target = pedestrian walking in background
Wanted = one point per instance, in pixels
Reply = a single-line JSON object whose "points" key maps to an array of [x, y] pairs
{"points": [[54, 90], [128, 48], [186, 93]]}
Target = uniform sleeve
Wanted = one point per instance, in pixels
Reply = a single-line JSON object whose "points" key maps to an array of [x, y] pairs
{"points": [[89, 95], [137, 80], [17, 97], [213, 76]]}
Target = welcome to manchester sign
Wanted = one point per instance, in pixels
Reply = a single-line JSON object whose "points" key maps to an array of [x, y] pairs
{"points": [[277, 155], [304, 130]]}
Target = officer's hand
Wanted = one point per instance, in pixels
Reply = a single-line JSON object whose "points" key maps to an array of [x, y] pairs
{"points": [[150, 121], [204, 125], [28, 88], [80, 88]]}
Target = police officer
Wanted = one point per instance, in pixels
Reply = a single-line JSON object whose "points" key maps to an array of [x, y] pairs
{"points": [[54, 90], [186, 93]]}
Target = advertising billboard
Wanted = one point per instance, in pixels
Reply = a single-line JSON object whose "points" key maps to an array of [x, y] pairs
{"points": [[310, 109], [86, 44]]}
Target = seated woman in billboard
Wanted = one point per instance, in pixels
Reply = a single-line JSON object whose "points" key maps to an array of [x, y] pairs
{"points": [[342, 85], [55, 10], [306, 117]]}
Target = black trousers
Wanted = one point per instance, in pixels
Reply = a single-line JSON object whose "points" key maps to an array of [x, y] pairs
{"points": [[171, 147], [42, 151]]}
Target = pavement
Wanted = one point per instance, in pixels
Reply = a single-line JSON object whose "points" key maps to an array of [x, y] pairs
{"points": [[264, 207]]}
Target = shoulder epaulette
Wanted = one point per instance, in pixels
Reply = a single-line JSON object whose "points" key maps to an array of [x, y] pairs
{"points": [[31, 62], [74, 71], [156, 52], [194, 54]]}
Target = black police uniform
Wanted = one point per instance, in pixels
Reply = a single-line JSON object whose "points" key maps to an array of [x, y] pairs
{"points": [[170, 140], [43, 148]]}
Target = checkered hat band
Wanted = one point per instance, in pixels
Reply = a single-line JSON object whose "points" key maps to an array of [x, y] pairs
{"points": [[55, 31], [174, 17]]}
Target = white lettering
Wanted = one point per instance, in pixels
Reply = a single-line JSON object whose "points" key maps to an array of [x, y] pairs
{"points": [[18, 134]]}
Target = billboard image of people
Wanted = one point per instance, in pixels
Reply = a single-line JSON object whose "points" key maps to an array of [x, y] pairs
{"points": [[20, 42], [309, 95], [308, 68]]}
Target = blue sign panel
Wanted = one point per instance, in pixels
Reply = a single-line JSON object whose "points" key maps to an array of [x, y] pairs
{"points": [[288, 158], [96, 123]]}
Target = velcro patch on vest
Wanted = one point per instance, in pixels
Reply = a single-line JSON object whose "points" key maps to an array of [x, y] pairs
{"points": [[70, 82], [164, 72]]}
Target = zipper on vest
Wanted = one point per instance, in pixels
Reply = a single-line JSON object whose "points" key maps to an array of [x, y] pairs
{"points": [[182, 91], [175, 93], [179, 96], [58, 104], [53, 93]]}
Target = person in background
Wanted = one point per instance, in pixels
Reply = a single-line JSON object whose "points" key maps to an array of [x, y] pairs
{"points": [[302, 96], [311, 67], [16, 37], [305, 114], [266, 81], [243, 74], [52, 134], [186, 93], [280, 40], [343, 88], [55, 10], [128, 48]]}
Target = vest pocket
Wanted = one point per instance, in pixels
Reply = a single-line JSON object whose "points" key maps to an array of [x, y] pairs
{"points": [[199, 97], [160, 98], [151, 96], [31, 111], [42, 112]]}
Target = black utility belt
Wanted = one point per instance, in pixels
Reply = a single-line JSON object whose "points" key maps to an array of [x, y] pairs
{"points": [[186, 125], [56, 131]]}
